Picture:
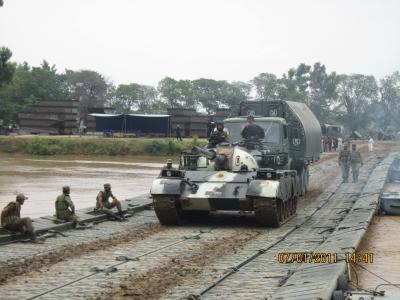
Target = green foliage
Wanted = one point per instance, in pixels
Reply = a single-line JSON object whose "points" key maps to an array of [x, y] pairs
{"points": [[208, 94], [7, 68], [90, 88], [355, 93], [28, 86], [95, 146], [133, 97]]}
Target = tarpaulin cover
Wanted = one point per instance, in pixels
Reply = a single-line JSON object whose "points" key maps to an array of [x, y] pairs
{"points": [[133, 123]]}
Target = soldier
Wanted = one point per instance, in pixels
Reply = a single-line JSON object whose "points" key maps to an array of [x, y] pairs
{"points": [[355, 161], [219, 135], [252, 131], [11, 218], [344, 162], [178, 133], [168, 166], [105, 206], [65, 209]]}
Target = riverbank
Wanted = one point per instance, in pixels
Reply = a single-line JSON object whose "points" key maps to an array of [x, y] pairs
{"points": [[76, 145]]}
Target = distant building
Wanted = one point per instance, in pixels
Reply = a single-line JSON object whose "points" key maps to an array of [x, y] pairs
{"points": [[190, 121], [51, 117]]}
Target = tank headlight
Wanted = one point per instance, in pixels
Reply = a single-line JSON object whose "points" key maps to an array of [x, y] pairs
{"points": [[269, 175], [169, 173]]}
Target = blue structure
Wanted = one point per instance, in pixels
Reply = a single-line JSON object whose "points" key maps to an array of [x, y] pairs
{"points": [[133, 123]]}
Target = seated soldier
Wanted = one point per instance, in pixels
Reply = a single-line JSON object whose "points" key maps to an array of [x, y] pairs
{"points": [[252, 131], [65, 209], [11, 218], [219, 135], [105, 206]]}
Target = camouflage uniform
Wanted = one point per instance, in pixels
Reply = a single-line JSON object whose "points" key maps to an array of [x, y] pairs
{"points": [[344, 156], [65, 209], [217, 137], [104, 205], [356, 162], [11, 217]]}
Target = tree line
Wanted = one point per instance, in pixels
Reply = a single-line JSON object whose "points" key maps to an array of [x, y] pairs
{"points": [[360, 102]]}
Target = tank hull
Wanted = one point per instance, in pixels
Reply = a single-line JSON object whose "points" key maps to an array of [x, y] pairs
{"points": [[272, 200]]}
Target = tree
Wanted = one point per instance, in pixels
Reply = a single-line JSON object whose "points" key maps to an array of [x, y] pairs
{"points": [[322, 92], [30, 85], [390, 101], [134, 97], [177, 93], [7, 68], [90, 88], [266, 86], [355, 93]]}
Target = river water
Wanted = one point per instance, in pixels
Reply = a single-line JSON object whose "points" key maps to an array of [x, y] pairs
{"points": [[41, 179]]}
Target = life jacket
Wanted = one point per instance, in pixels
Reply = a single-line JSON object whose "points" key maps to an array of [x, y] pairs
{"points": [[344, 156], [13, 213], [102, 197], [355, 157], [62, 206]]}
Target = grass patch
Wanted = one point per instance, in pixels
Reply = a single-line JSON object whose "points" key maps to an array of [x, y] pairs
{"points": [[45, 145]]}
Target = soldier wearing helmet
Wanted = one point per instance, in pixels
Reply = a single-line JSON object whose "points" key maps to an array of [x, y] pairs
{"points": [[252, 131], [219, 135], [65, 208], [11, 218], [168, 165], [103, 204]]}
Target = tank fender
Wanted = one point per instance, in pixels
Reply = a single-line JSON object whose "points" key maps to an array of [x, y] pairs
{"points": [[263, 188], [166, 186]]}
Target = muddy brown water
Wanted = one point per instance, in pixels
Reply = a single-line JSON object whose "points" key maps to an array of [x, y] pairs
{"points": [[41, 179]]}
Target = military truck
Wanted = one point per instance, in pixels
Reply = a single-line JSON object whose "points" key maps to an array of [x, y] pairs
{"points": [[265, 176]]}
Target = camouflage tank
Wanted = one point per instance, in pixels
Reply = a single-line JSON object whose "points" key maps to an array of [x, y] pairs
{"points": [[265, 176]]}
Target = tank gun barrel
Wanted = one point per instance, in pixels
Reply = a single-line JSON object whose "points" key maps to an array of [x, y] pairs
{"points": [[206, 153]]}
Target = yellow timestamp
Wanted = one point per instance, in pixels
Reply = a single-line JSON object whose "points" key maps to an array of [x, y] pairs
{"points": [[306, 257], [355, 257]]}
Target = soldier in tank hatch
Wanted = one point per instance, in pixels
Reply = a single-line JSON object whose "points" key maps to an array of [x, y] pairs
{"points": [[168, 165], [11, 218], [103, 204], [219, 135], [252, 130], [356, 162], [65, 208], [344, 155]]}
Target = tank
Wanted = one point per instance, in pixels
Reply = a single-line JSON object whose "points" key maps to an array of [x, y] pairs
{"points": [[265, 176]]}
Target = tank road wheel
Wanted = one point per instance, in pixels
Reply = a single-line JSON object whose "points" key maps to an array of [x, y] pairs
{"points": [[168, 210], [267, 212]]}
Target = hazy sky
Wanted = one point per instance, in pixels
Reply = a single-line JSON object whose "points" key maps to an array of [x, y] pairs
{"points": [[145, 40]]}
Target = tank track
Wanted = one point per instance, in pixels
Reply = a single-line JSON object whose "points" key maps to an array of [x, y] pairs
{"points": [[272, 212], [167, 210]]}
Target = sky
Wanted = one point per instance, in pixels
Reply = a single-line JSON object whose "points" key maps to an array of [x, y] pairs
{"points": [[143, 41]]}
